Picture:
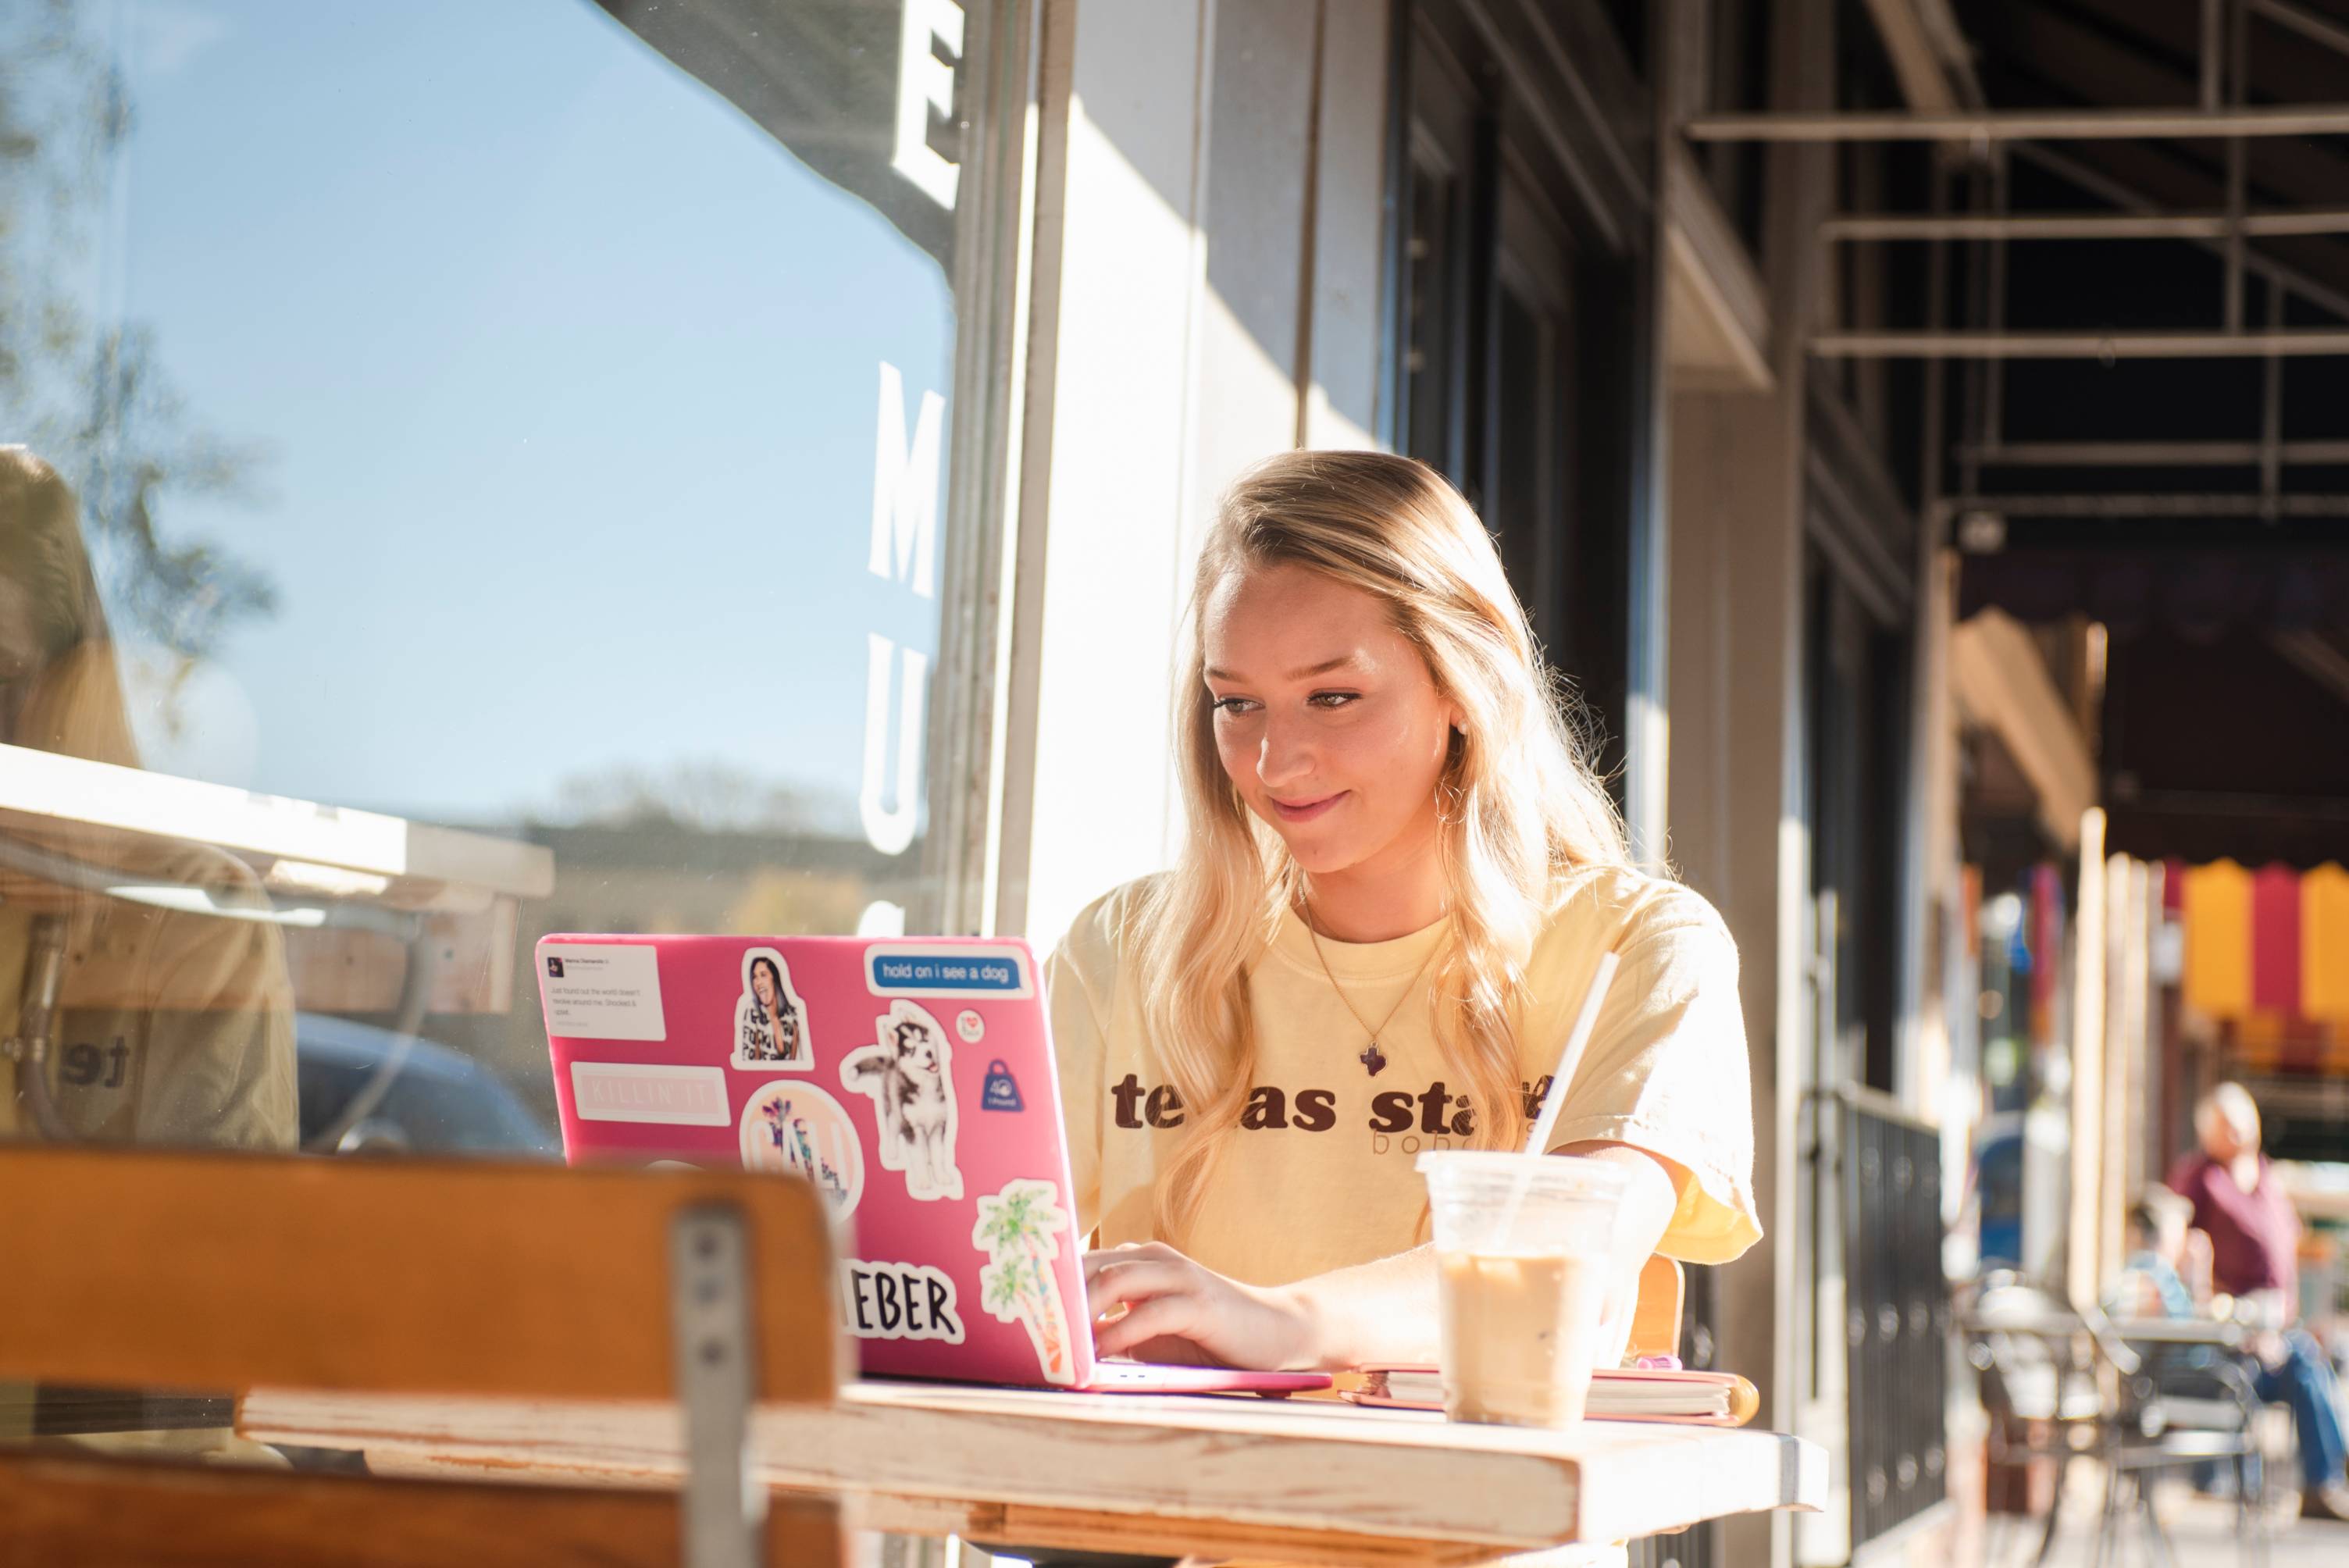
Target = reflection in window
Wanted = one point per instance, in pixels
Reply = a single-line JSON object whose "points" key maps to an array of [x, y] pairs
{"points": [[538, 442], [129, 1014]]}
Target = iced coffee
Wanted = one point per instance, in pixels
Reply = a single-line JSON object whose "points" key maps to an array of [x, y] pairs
{"points": [[1523, 1244]]}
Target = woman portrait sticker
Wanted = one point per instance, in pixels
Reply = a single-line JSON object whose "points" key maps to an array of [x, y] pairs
{"points": [[769, 1020]]}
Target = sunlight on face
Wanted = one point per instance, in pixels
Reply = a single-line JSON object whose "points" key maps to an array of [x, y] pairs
{"points": [[1326, 719]]}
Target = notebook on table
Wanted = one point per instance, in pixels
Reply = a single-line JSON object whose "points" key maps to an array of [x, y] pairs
{"points": [[910, 1080], [1695, 1398]]}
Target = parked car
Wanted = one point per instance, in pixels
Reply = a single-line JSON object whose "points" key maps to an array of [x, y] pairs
{"points": [[439, 1102]]}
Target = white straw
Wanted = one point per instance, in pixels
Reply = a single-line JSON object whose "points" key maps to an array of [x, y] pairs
{"points": [[1578, 1039]]}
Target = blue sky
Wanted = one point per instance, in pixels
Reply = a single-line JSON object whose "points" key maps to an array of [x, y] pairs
{"points": [[569, 373]]}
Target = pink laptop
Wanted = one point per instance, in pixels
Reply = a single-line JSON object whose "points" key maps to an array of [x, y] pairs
{"points": [[910, 1079]]}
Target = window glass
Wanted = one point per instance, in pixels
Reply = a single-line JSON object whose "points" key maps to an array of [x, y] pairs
{"points": [[516, 435]]}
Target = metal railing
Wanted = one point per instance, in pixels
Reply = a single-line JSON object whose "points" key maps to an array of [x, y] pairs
{"points": [[1896, 1316]]}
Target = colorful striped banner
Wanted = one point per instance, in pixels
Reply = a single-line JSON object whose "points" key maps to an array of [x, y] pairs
{"points": [[2270, 944], [2324, 945]]}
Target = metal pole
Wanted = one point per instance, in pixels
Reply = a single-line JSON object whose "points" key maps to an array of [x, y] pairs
{"points": [[2304, 344], [2237, 161], [1896, 226], [2213, 47], [2306, 23], [2026, 125], [2228, 504], [1970, 386], [1994, 392], [2272, 414], [1936, 411], [2129, 197], [2160, 454]]}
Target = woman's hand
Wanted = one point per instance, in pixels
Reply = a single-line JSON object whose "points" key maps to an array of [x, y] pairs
{"points": [[1181, 1313]]}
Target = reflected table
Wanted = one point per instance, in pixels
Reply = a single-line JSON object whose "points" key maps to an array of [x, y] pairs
{"points": [[1302, 1480]]}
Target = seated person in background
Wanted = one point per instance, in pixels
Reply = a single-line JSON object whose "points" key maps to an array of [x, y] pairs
{"points": [[2151, 1283], [2238, 1201]]}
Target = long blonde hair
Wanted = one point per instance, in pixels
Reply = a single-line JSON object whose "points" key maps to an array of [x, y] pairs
{"points": [[1519, 801]]}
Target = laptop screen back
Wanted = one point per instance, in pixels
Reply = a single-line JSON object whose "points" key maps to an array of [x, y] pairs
{"points": [[910, 1080]]}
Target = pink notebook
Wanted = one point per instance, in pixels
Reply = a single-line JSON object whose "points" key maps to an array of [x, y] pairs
{"points": [[910, 1079], [1617, 1393]]}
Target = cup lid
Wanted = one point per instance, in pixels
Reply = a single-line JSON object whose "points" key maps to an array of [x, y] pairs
{"points": [[1553, 1172]]}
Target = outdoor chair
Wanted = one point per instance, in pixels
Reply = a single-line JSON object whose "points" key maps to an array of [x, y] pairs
{"points": [[2179, 1407], [133, 1269], [2065, 1385], [2037, 1387]]}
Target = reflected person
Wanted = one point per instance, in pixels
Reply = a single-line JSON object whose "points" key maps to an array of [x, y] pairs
{"points": [[157, 1026]]}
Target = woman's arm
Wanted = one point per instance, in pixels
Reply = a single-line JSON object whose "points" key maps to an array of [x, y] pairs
{"points": [[1378, 1313]]}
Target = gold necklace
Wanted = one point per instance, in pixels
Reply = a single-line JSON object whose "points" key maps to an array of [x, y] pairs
{"points": [[1373, 1059]]}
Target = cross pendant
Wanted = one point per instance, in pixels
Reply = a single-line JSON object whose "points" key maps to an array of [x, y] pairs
{"points": [[1373, 1059]]}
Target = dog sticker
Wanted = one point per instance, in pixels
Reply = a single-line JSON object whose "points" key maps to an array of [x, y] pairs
{"points": [[1020, 1230], [769, 1020], [908, 1071], [794, 1126]]}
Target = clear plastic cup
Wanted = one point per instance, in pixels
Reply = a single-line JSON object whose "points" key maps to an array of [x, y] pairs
{"points": [[1523, 1243]]}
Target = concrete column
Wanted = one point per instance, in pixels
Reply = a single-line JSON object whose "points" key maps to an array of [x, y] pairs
{"points": [[1737, 783], [1205, 272]]}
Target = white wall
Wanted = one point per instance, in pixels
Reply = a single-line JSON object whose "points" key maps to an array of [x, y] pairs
{"points": [[1177, 191]]}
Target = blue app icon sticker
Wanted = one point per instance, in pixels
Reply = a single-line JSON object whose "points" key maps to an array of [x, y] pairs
{"points": [[1001, 1091]]}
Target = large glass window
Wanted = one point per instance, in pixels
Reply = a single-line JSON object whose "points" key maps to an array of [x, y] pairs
{"points": [[517, 436]]}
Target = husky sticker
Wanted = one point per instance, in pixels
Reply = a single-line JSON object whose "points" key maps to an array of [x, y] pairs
{"points": [[908, 1071], [1019, 1229], [770, 1019]]}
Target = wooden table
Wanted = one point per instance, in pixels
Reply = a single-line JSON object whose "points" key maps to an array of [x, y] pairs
{"points": [[1304, 1480]]}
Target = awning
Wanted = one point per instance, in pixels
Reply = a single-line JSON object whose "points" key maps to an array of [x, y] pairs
{"points": [[2267, 951], [2002, 685]]}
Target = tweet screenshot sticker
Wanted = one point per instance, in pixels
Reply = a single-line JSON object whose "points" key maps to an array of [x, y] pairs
{"points": [[602, 991]]}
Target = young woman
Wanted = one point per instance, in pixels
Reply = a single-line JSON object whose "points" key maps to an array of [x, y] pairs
{"points": [[1398, 879]]}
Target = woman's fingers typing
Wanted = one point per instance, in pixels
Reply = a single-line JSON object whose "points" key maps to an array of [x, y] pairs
{"points": [[1160, 1317], [1130, 1283], [1148, 1299]]}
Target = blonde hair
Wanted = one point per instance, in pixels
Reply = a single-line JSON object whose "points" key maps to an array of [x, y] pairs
{"points": [[1519, 801]]}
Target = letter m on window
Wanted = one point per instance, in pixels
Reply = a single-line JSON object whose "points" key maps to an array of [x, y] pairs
{"points": [[905, 487]]}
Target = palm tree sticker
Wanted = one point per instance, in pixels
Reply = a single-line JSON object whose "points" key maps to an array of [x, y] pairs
{"points": [[1019, 1229]]}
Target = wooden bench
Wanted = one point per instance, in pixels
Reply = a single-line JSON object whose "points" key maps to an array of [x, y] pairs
{"points": [[224, 1272]]}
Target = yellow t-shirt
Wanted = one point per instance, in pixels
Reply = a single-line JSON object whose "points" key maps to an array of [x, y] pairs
{"points": [[1321, 1174]]}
